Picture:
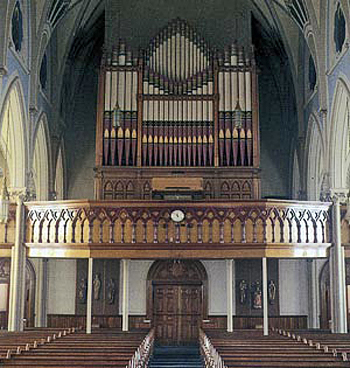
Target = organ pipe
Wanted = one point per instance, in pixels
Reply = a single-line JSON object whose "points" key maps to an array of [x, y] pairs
{"points": [[167, 102]]}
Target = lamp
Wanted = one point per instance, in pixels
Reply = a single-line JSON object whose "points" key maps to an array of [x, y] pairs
{"points": [[4, 195]]}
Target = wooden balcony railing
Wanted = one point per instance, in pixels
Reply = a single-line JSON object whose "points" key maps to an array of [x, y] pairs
{"points": [[144, 229], [7, 233]]}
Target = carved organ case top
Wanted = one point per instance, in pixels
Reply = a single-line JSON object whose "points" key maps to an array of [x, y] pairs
{"points": [[179, 104]]}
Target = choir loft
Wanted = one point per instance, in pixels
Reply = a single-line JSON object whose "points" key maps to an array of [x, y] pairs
{"points": [[175, 167]]}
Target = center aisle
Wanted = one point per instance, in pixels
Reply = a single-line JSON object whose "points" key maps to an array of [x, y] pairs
{"points": [[176, 357]]}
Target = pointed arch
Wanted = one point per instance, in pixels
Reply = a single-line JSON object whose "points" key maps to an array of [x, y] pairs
{"points": [[13, 135], [340, 135], [40, 166], [315, 159], [59, 175], [296, 188]]}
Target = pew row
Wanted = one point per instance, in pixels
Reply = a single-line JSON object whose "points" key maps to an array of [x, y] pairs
{"points": [[245, 348], [101, 349]]}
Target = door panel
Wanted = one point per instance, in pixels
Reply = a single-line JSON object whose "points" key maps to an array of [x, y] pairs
{"points": [[177, 312]]}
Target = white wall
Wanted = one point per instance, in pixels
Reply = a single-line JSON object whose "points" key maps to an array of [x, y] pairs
{"points": [[217, 286], [293, 287], [62, 285], [137, 290]]}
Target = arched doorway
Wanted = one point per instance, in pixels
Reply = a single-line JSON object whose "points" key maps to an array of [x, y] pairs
{"points": [[29, 296], [325, 297], [325, 294], [177, 299]]}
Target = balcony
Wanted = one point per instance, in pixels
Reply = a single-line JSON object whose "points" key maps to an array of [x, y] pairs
{"points": [[144, 229]]}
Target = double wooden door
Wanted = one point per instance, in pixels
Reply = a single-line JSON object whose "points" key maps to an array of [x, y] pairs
{"points": [[177, 312]]}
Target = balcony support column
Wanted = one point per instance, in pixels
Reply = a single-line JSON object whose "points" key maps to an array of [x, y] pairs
{"points": [[337, 267], [41, 288], [17, 275], [265, 297], [314, 295], [229, 290], [89, 297], [125, 295]]}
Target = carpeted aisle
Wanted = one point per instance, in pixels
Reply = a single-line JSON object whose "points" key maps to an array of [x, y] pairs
{"points": [[176, 357]]}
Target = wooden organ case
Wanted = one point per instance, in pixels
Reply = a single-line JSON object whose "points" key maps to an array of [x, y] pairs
{"points": [[179, 109]]}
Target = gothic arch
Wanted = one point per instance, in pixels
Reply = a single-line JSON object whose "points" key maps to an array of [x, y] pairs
{"points": [[59, 174], [40, 167], [340, 135], [13, 134], [315, 159], [296, 187]]}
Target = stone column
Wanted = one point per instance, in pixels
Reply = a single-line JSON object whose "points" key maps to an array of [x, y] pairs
{"points": [[337, 267], [89, 297], [229, 292], [17, 277], [125, 295], [41, 288], [314, 296], [265, 297]]}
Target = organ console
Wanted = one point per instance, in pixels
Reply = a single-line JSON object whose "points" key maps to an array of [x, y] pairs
{"points": [[178, 104]]}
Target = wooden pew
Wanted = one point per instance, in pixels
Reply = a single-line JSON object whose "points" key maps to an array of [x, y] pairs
{"points": [[244, 348], [102, 349]]}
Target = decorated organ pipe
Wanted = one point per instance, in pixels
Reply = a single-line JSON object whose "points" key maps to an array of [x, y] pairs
{"points": [[176, 102]]}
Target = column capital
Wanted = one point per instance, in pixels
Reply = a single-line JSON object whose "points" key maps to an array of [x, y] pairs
{"points": [[339, 195]]}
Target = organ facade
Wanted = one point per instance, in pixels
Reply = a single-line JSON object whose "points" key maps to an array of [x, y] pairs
{"points": [[179, 108]]}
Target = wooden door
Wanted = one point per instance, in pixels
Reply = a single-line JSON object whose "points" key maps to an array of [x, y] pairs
{"points": [[177, 313]]}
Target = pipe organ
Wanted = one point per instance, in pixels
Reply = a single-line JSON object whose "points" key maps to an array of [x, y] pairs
{"points": [[179, 104]]}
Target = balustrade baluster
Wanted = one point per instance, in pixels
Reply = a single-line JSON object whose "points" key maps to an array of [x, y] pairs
{"points": [[307, 232], [133, 236], [91, 228], [232, 232], [200, 232], [166, 232], [57, 225], [264, 231], [188, 228], [177, 233], [144, 231], [221, 231], [101, 232], [155, 232], [290, 232], [48, 232], [315, 231], [255, 235], [282, 231], [243, 226], [5, 235], [33, 232], [273, 231], [73, 231], [210, 232], [65, 232], [122, 236], [82, 232], [111, 231], [40, 237], [323, 233], [299, 232]]}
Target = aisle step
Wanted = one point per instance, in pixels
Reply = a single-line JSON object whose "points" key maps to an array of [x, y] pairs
{"points": [[176, 357]]}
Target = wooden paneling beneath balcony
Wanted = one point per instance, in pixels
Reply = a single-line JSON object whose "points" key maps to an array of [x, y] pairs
{"points": [[213, 322]]}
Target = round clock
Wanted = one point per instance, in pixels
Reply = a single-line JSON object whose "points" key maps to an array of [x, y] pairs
{"points": [[177, 215]]}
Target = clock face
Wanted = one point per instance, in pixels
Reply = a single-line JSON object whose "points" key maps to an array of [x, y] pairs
{"points": [[177, 215]]}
